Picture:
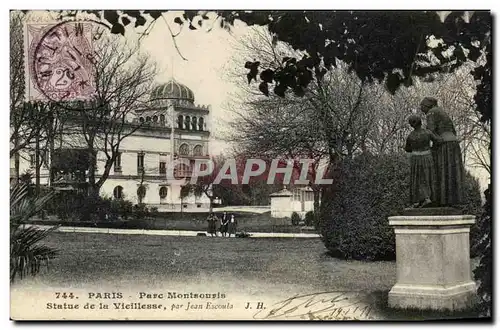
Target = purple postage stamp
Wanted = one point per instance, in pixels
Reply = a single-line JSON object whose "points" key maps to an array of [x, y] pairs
{"points": [[60, 61]]}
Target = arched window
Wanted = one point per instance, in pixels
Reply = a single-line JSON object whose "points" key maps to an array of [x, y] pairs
{"points": [[198, 150], [187, 121], [184, 150], [201, 124], [163, 192], [180, 122], [141, 192], [141, 119], [194, 124], [162, 119], [118, 192], [155, 118]]}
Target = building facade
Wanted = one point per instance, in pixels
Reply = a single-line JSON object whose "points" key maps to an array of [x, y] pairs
{"points": [[298, 199], [171, 126]]}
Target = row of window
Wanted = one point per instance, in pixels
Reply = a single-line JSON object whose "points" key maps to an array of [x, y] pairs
{"points": [[141, 192], [300, 195], [184, 150], [154, 119], [191, 123], [162, 167]]}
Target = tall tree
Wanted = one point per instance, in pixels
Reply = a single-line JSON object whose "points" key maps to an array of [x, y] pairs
{"points": [[123, 80], [27, 119], [204, 185]]}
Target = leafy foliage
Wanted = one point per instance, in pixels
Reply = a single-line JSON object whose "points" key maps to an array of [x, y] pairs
{"points": [[355, 209], [484, 271], [377, 45], [140, 211], [78, 207], [309, 218], [27, 253], [120, 208], [295, 219], [474, 206]]}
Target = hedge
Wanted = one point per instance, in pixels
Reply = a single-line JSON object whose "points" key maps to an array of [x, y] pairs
{"points": [[368, 189]]}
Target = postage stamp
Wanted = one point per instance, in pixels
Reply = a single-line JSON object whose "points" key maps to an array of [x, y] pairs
{"points": [[60, 61], [250, 165]]}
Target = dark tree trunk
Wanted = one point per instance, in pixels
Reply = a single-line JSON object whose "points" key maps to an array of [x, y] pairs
{"points": [[16, 166], [37, 166], [16, 159], [93, 190], [211, 207], [316, 204]]}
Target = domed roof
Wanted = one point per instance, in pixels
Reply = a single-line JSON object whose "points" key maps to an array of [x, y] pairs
{"points": [[172, 90]]}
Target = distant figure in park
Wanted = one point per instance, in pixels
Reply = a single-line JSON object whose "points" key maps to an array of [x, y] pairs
{"points": [[422, 174], [212, 230], [446, 154], [224, 224], [232, 226]]}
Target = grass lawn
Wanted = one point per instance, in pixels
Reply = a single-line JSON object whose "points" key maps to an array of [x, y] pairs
{"points": [[96, 258], [253, 267]]}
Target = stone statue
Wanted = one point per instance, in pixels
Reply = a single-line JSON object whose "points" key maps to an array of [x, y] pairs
{"points": [[422, 172], [448, 165]]}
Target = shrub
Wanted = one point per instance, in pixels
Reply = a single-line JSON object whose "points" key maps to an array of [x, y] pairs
{"points": [[140, 211], [484, 271], [68, 205], [65, 205], [27, 249], [121, 209], [295, 219], [309, 218], [368, 189], [95, 208], [473, 206], [154, 211]]}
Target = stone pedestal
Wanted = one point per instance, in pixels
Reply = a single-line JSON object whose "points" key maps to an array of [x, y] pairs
{"points": [[433, 262]]}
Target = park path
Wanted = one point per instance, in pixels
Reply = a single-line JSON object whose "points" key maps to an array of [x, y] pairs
{"points": [[68, 229]]}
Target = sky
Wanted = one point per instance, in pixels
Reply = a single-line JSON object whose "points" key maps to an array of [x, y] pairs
{"points": [[207, 55]]}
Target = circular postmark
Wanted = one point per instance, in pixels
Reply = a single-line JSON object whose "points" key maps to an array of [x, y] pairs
{"points": [[62, 61]]}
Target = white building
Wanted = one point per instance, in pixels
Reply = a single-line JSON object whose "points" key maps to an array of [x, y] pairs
{"points": [[172, 126], [285, 202]]}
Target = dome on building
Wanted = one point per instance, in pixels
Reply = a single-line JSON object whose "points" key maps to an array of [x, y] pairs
{"points": [[172, 90]]}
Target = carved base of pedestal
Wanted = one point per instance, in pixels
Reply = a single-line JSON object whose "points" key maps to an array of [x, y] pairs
{"points": [[454, 298], [432, 262]]}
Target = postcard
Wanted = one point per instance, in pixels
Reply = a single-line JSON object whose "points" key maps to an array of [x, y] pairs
{"points": [[250, 165]]}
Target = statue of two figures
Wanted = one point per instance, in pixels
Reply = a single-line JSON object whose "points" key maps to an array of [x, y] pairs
{"points": [[437, 171]]}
